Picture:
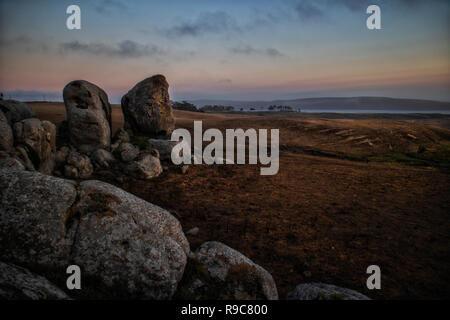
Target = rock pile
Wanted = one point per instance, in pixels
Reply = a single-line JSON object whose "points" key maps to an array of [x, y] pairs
{"points": [[25, 138]]}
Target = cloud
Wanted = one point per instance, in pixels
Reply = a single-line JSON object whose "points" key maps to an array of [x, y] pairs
{"points": [[24, 42], [249, 50], [108, 6], [207, 22], [307, 10], [354, 5], [123, 49]]}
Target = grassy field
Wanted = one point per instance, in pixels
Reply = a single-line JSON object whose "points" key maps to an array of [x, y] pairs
{"points": [[349, 193]]}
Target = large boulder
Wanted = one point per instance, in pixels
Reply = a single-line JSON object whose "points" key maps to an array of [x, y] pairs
{"points": [[129, 244], [216, 271], [38, 139], [88, 115], [15, 111], [322, 291], [35, 215], [125, 246], [146, 167], [18, 283], [147, 110], [6, 134]]}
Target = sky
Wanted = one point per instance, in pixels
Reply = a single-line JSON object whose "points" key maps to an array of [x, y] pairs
{"points": [[235, 50]]}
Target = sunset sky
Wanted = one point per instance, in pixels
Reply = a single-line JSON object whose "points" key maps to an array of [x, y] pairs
{"points": [[243, 50]]}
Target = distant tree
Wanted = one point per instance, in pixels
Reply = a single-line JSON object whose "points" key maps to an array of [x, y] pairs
{"points": [[184, 105], [216, 108]]}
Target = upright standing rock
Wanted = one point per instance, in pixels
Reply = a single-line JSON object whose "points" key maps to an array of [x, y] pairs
{"points": [[88, 114], [147, 110]]}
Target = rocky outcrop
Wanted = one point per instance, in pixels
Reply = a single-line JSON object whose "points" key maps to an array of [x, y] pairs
{"points": [[126, 247], [18, 283], [145, 167], [6, 134], [88, 115], [15, 111], [38, 139], [322, 291], [216, 271], [147, 110]]}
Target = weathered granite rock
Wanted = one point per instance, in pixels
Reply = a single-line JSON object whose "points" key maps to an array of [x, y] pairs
{"points": [[322, 291], [81, 163], [38, 139], [34, 219], [121, 136], [217, 271], [6, 161], [18, 283], [125, 246], [129, 243], [127, 152], [6, 134], [145, 167], [147, 110], [61, 155], [23, 155], [103, 158], [15, 111], [88, 115], [164, 148]]}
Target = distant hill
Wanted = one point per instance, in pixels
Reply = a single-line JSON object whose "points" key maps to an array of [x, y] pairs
{"points": [[353, 103]]}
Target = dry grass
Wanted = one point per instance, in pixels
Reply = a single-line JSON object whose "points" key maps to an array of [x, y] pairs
{"points": [[325, 217]]}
